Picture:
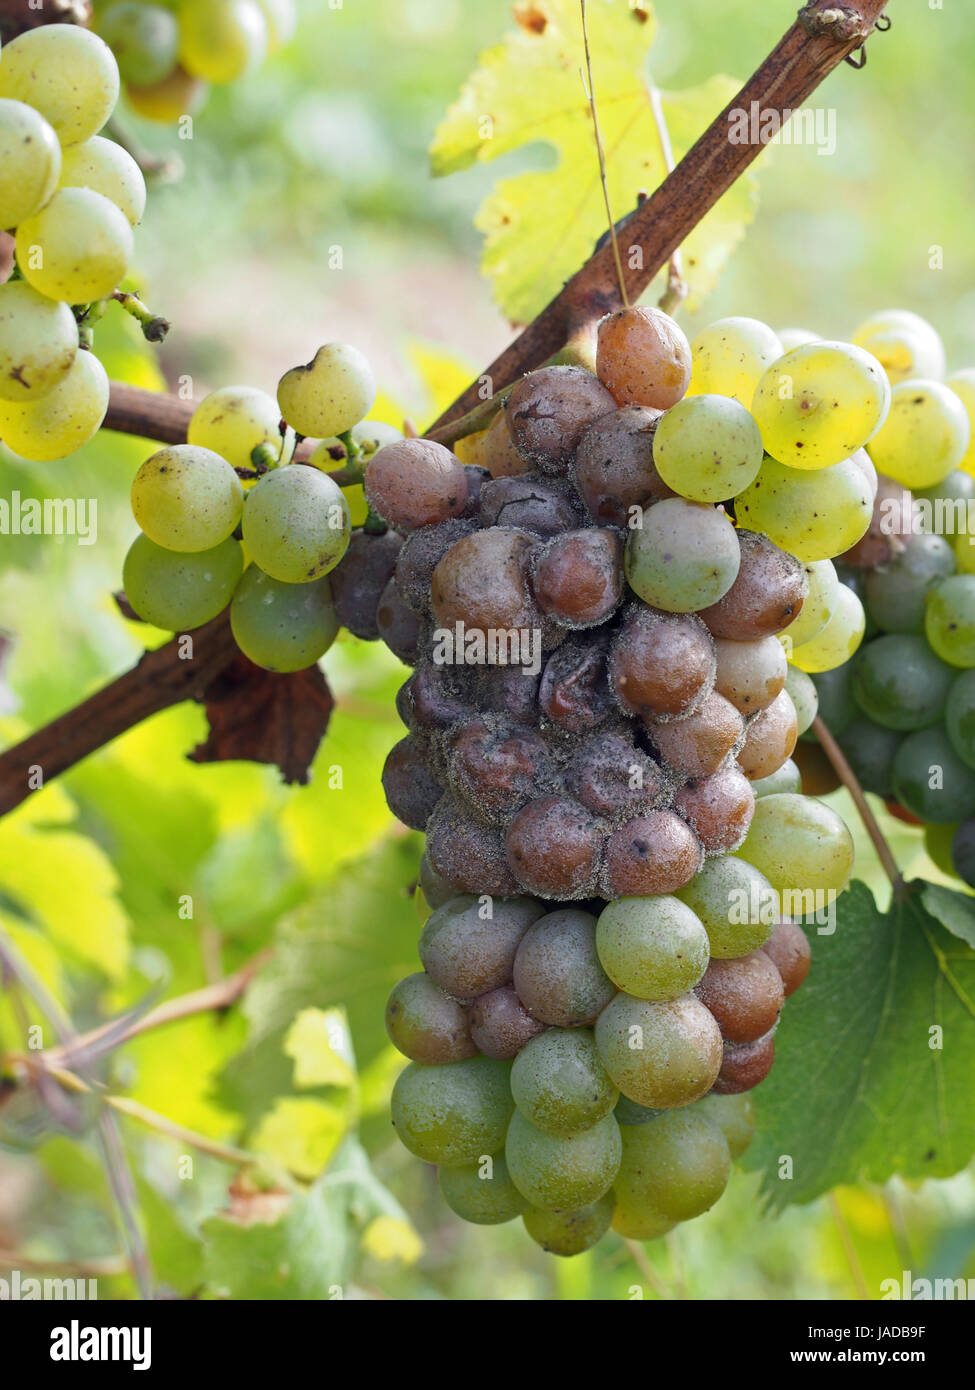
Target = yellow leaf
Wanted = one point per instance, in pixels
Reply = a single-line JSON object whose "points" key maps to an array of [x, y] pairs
{"points": [[442, 374], [318, 1042], [301, 1134], [388, 1238]]}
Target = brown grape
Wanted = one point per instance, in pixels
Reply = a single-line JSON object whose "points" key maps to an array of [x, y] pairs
{"points": [[698, 745], [549, 410], [416, 482], [467, 952], [788, 949], [744, 994], [651, 854], [661, 665], [481, 582], [498, 453], [421, 554], [359, 579], [466, 853], [750, 674], [557, 972], [769, 739], [578, 577], [817, 772], [427, 1025], [892, 521], [643, 357], [397, 624], [574, 691], [495, 765], [412, 790], [744, 1065], [543, 506], [554, 847], [499, 1024], [615, 779], [766, 596], [719, 808], [614, 470]]}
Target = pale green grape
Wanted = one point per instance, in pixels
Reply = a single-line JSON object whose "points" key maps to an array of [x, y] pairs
{"points": [[819, 403], [282, 21], [67, 74], [795, 337], [965, 553], [186, 498], [931, 781], [904, 344], [707, 448], [678, 1164], [222, 40], [654, 948], [896, 592], [736, 904], [963, 385], [640, 1220], [570, 1232], [282, 627], [949, 620], [683, 557], [660, 1054], [144, 39], [167, 101], [62, 420], [77, 248], [926, 435], [296, 524], [899, 682], [559, 1083], [838, 640], [802, 692], [38, 342], [558, 1174], [179, 592], [818, 606], [105, 168], [729, 357], [328, 395], [734, 1116], [30, 161], [786, 778], [800, 845], [482, 1192], [233, 421], [813, 515], [455, 1114]]}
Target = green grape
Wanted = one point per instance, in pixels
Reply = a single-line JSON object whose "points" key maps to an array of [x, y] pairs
{"points": [[801, 690], [282, 627], [904, 344], [730, 356], [897, 592], [627, 1112], [559, 1083], [965, 553], [945, 508], [819, 403], [795, 337], [960, 717], [105, 168], [281, 17], [925, 436], [330, 394], [557, 974], [167, 101], [929, 779], [468, 946], [144, 39], [949, 620], [818, 605], [654, 948], [800, 845], [563, 1174], [707, 448], [678, 1165], [870, 751], [736, 904], [734, 1116], [67, 74], [963, 385], [864, 462], [77, 248], [425, 1024], [899, 682], [834, 644], [38, 342], [570, 1232], [837, 705], [180, 592], [62, 420], [963, 852], [660, 1054], [815, 515], [233, 421], [296, 524], [187, 498], [683, 557], [640, 1220], [222, 40], [454, 1114], [786, 778], [30, 161], [937, 842], [482, 1192]]}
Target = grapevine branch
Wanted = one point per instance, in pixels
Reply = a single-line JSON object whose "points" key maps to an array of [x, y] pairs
{"points": [[822, 37]]}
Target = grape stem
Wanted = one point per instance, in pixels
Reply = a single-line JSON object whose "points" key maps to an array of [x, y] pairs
{"points": [[849, 779], [153, 327], [590, 91]]}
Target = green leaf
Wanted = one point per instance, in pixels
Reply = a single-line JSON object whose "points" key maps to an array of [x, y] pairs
{"points": [[319, 1044], [956, 911], [864, 1084], [541, 226]]}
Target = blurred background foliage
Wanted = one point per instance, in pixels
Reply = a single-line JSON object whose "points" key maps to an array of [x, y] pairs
{"points": [[327, 147]]}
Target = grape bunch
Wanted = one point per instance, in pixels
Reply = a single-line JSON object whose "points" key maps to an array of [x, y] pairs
{"points": [[614, 829], [71, 198], [169, 52]]}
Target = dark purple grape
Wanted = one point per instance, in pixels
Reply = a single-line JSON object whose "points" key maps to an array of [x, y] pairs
{"points": [[412, 790], [615, 779], [398, 625], [500, 1026], [358, 580], [543, 506], [549, 411]]}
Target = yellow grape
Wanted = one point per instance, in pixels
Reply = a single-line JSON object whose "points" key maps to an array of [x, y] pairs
{"points": [[925, 437], [729, 357], [186, 498], [965, 553], [838, 640], [64, 419], [104, 167], [814, 515], [819, 403], [904, 344], [963, 385], [233, 421], [30, 161], [818, 606], [38, 342], [329, 394], [222, 40], [168, 101], [65, 72], [77, 248]]}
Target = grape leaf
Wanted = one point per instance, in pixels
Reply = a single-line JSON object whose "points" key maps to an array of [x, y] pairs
{"points": [[874, 1056], [956, 911], [540, 226]]}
